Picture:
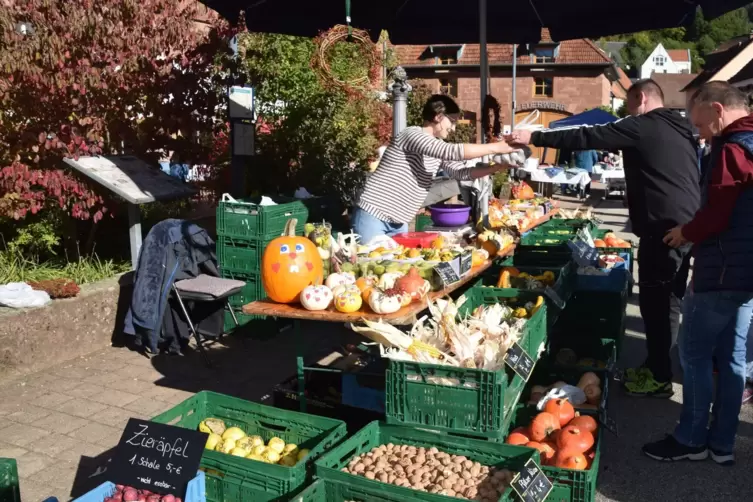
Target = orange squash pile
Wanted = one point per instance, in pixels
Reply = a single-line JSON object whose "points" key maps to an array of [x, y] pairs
{"points": [[565, 439], [610, 240]]}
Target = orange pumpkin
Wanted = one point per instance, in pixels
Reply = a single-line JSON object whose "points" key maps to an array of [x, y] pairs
{"points": [[562, 409], [518, 437], [599, 243], [569, 459], [289, 264], [546, 452], [573, 439], [585, 422], [542, 425], [366, 285]]}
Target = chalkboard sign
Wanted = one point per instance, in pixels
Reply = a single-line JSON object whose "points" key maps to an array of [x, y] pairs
{"points": [[446, 273], [583, 254], [466, 262], [555, 297], [531, 484], [519, 361], [157, 457]]}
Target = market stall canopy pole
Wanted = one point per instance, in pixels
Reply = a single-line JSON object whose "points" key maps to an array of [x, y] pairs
{"points": [[439, 21]]}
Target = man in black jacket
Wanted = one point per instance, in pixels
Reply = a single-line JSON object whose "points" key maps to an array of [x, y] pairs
{"points": [[661, 174]]}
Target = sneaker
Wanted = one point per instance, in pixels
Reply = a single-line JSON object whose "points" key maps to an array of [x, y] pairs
{"points": [[634, 374], [747, 393], [646, 386], [721, 458], [669, 450]]}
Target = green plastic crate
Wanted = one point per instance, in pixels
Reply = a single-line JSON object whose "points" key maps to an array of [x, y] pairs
{"points": [[480, 404], [487, 453], [569, 485], [9, 489], [593, 315], [252, 291], [593, 354], [251, 479], [565, 282], [240, 256], [246, 219], [542, 251]]}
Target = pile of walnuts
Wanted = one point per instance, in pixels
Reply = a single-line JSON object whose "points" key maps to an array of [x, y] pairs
{"points": [[430, 470]]}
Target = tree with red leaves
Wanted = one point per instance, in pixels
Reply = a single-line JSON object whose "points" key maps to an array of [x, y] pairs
{"points": [[84, 77]]}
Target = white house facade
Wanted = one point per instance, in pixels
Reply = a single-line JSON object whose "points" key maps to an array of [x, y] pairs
{"points": [[662, 60]]}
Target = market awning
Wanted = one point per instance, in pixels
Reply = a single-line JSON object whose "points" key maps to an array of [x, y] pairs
{"points": [[441, 21], [592, 117]]}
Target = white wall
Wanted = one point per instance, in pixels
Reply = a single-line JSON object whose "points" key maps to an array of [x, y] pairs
{"points": [[660, 62]]}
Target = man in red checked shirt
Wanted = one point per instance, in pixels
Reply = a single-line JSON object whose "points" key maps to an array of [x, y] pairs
{"points": [[718, 305]]}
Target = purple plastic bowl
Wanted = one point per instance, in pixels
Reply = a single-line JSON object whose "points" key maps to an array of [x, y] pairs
{"points": [[450, 215]]}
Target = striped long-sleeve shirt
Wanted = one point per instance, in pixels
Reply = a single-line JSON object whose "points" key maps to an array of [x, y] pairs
{"points": [[398, 187]]}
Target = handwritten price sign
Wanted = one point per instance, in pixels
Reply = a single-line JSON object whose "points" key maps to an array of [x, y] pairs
{"points": [[157, 457]]}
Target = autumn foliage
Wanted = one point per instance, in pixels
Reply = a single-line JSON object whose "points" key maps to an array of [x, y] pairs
{"points": [[83, 77]]}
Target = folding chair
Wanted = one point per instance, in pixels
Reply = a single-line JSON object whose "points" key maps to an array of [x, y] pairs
{"points": [[206, 288]]}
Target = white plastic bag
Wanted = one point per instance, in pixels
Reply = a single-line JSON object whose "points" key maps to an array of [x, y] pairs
{"points": [[19, 295], [574, 394]]}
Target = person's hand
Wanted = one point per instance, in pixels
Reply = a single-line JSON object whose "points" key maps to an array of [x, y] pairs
{"points": [[519, 137], [674, 238], [501, 147]]}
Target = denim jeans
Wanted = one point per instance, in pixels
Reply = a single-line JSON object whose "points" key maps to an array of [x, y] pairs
{"points": [[749, 357], [715, 324], [368, 226]]}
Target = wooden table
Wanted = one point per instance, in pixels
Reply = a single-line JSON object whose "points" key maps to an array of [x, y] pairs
{"points": [[404, 316]]}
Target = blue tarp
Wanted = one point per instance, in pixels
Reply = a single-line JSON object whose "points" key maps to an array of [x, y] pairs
{"points": [[589, 118]]}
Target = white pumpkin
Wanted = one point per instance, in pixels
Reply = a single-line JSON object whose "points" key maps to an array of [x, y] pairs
{"points": [[382, 302], [316, 297], [334, 280], [387, 280]]}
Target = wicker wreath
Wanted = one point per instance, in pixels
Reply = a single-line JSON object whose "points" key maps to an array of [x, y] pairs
{"points": [[325, 41]]}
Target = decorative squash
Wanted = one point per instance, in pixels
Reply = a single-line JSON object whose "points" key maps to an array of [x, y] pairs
{"points": [[366, 285], [348, 299], [562, 409], [316, 297], [386, 301], [437, 243], [387, 280], [504, 279], [413, 284], [479, 257], [537, 305], [585, 423], [542, 425], [289, 264], [334, 280], [568, 459], [518, 437], [575, 439], [589, 378], [593, 394], [599, 243]]}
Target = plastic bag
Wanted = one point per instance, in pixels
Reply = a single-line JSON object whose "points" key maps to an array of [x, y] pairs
{"points": [[19, 295], [574, 394]]}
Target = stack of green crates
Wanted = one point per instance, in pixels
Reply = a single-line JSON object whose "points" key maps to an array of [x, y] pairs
{"points": [[244, 228], [9, 490]]}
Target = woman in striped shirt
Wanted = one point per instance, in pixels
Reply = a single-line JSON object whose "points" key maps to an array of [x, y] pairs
{"points": [[398, 187]]}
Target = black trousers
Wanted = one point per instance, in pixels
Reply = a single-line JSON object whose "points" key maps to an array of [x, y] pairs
{"points": [[663, 275]]}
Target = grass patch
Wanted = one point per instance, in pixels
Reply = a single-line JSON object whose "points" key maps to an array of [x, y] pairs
{"points": [[15, 267]]}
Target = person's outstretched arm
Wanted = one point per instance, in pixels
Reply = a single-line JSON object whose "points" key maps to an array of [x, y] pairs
{"points": [[619, 134], [417, 141]]}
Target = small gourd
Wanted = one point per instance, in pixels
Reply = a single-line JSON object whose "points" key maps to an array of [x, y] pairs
{"points": [[348, 298], [334, 280], [316, 297], [386, 301], [387, 280]]}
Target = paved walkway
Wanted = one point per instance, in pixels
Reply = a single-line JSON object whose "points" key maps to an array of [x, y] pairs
{"points": [[62, 423]]}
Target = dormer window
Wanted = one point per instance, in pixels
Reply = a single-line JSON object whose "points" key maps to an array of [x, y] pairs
{"points": [[542, 55], [443, 54]]}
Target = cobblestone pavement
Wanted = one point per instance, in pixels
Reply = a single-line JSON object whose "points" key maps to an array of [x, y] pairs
{"points": [[62, 423]]}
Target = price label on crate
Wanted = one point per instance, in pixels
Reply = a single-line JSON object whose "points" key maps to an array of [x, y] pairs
{"points": [[519, 361], [157, 457], [556, 299], [446, 273], [531, 484]]}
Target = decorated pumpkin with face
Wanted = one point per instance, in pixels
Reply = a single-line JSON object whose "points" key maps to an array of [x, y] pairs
{"points": [[289, 264]]}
